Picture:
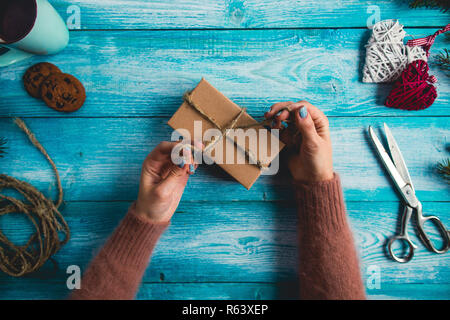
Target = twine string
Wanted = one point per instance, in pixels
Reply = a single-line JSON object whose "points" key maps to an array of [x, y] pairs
{"points": [[227, 129], [49, 224]]}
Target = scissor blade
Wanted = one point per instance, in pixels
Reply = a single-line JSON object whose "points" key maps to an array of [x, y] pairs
{"points": [[397, 156], [395, 175]]}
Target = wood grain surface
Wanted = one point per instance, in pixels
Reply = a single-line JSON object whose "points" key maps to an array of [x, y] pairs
{"points": [[145, 73], [100, 159], [220, 14], [236, 242], [137, 58]]}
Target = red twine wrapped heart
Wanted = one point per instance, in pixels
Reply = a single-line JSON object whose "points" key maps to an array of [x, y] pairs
{"points": [[414, 89]]}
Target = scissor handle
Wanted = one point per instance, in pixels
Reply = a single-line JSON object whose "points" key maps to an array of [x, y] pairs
{"points": [[424, 237], [410, 252], [404, 237]]}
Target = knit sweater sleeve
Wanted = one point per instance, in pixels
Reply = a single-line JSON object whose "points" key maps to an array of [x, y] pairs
{"points": [[117, 270], [329, 267]]}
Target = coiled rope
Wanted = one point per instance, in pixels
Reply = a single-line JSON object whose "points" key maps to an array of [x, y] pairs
{"points": [[49, 224]]}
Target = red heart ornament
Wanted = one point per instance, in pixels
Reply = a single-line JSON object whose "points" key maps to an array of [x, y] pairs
{"points": [[414, 89]]}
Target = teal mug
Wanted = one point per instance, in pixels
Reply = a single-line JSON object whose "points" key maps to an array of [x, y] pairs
{"points": [[29, 27]]}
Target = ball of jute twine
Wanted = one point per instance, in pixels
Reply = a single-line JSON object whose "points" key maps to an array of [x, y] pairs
{"points": [[386, 54], [49, 224]]}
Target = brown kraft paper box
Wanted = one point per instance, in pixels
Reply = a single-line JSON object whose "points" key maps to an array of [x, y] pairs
{"points": [[218, 107]]}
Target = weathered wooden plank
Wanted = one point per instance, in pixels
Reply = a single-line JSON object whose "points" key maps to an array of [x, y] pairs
{"points": [[100, 159], [268, 291], [145, 73], [181, 14], [238, 242], [411, 292], [27, 289]]}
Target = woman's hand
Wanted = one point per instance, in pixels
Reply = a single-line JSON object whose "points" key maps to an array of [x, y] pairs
{"points": [[162, 183], [313, 160]]}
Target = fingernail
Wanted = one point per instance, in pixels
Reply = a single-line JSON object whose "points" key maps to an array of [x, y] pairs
{"points": [[278, 113], [303, 112], [181, 165], [191, 168]]}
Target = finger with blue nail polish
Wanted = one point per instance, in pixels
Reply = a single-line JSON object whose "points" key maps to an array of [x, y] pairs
{"points": [[277, 112], [164, 176], [313, 159], [303, 112], [182, 164], [185, 156], [305, 124]]}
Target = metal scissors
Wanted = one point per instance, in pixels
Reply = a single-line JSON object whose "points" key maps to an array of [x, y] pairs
{"points": [[399, 173]]}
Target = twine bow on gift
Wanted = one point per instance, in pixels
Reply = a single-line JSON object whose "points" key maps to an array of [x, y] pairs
{"points": [[227, 129]]}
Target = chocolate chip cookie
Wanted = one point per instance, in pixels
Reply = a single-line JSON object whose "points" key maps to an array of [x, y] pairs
{"points": [[35, 75], [63, 92]]}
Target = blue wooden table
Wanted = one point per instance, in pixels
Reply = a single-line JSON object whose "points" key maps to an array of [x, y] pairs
{"points": [[137, 58]]}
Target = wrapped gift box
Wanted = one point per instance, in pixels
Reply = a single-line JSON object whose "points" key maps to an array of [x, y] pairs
{"points": [[207, 105]]}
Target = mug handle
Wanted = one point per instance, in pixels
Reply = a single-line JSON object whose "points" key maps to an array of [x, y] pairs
{"points": [[9, 55]]}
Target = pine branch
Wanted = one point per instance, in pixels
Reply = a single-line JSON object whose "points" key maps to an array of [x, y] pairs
{"points": [[443, 60], [444, 5], [443, 168], [2, 147]]}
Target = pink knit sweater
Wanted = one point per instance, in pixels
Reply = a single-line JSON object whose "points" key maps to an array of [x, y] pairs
{"points": [[328, 262]]}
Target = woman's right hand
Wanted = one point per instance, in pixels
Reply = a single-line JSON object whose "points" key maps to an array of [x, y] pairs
{"points": [[313, 160], [162, 183]]}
